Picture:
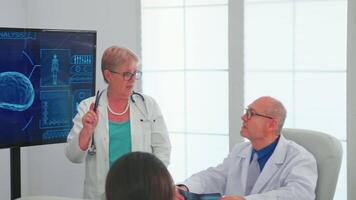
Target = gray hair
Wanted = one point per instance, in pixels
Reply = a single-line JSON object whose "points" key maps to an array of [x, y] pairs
{"points": [[277, 110], [117, 56]]}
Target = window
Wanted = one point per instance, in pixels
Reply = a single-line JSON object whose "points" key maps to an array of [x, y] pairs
{"points": [[186, 70], [295, 50]]}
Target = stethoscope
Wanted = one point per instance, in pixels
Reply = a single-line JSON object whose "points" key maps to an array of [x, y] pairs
{"points": [[92, 148]]}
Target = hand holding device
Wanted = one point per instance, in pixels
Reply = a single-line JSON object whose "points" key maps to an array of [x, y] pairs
{"points": [[92, 149], [90, 119], [97, 99]]}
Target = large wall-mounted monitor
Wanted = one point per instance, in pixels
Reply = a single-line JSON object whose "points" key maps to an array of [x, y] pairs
{"points": [[44, 74]]}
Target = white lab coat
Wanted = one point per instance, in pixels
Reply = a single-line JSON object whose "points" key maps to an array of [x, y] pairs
{"points": [[148, 133], [290, 173]]}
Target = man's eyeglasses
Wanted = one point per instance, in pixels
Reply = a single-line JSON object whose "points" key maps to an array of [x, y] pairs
{"points": [[249, 113], [128, 75]]}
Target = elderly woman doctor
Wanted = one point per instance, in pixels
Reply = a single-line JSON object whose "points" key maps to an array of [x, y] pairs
{"points": [[123, 121]]}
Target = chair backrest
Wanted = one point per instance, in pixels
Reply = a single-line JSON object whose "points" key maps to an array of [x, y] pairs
{"points": [[327, 151]]}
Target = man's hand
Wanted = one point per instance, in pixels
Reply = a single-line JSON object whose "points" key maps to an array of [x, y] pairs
{"points": [[232, 198]]}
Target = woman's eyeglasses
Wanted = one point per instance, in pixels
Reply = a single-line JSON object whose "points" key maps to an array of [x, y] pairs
{"points": [[128, 75]]}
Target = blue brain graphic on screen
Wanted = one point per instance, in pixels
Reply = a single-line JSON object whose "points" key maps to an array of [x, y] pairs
{"points": [[17, 93]]}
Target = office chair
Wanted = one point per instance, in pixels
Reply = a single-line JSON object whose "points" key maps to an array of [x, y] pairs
{"points": [[327, 151]]}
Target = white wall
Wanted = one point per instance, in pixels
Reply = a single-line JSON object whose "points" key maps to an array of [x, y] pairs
{"points": [[45, 169], [236, 70], [351, 99], [13, 13]]}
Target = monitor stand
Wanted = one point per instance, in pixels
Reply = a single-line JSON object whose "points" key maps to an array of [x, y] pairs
{"points": [[15, 170]]}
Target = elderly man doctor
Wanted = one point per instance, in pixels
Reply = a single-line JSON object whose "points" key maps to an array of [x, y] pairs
{"points": [[267, 167]]}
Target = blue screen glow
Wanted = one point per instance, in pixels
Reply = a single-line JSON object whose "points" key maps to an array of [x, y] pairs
{"points": [[44, 74]]}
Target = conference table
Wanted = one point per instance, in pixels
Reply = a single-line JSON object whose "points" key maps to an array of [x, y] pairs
{"points": [[47, 198]]}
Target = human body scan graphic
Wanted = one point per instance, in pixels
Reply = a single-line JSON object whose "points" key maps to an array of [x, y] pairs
{"points": [[54, 69]]}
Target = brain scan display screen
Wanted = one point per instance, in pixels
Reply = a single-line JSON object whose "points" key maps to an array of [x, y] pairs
{"points": [[44, 74]]}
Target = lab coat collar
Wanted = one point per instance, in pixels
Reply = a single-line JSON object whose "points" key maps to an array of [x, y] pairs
{"points": [[245, 152], [273, 164], [101, 136]]}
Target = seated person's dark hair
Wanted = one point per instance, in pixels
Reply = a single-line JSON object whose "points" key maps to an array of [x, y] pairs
{"points": [[139, 176]]}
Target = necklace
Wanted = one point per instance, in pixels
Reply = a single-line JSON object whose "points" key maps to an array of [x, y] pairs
{"points": [[116, 113]]}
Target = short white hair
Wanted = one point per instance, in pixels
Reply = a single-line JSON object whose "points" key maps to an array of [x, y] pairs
{"points": [[117, 56], [277, 110]]}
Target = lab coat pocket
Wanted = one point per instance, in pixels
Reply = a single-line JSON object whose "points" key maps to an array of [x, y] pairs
{"points": [[146, 135]]}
